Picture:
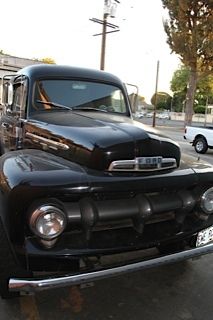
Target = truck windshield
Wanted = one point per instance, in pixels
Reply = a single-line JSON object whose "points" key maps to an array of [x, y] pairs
{"points": [[77, 95]]}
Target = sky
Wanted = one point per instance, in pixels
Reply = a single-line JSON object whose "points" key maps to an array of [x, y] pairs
{"points": [[62, 31]]}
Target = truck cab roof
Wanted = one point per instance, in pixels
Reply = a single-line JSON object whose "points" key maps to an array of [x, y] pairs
{"points": [[50, 71]]}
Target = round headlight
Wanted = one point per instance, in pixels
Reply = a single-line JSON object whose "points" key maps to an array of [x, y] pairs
{"points": [[47, 222], [207, 201]]}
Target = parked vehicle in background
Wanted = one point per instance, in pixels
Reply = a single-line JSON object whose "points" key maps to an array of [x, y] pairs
{"points": [[200, 137], [149, 115], [139, 114], [86, 192], [164, 115]]}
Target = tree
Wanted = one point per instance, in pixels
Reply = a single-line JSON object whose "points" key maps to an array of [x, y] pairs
{"points": [[179, 83], [141, 99], [48, 60], [180, 79], [190, 34], [163, 100], [178, 101]]}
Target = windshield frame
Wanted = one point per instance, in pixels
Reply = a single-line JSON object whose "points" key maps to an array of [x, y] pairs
{"points": [[75, 109]]}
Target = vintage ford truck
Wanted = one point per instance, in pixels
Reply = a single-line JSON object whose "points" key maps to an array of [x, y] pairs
{"points": [[86, 192]]}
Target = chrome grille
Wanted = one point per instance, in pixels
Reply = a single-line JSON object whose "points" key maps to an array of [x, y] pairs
{"points": [[144, 164]]}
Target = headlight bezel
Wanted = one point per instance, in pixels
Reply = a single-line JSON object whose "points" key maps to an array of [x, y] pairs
{"points": [[204, 201], [39, 213]]}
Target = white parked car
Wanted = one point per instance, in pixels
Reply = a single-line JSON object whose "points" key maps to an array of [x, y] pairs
{"points": [[149, 115], [164, 116]]}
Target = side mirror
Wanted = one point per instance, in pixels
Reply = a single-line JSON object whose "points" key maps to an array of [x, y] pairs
{"points": [[6, 90], [6, 96], [132, 91]]}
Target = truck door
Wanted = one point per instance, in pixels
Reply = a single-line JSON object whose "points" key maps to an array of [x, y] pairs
{"points": [[11, 124]]}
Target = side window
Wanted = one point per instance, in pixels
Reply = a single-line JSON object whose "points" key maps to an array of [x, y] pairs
{"points": [[118, 102], [18, 97]]}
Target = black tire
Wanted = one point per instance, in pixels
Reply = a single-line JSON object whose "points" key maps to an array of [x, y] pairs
{"points": [[200, 145]]}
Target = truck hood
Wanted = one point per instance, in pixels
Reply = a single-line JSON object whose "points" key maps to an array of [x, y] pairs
{"points": [[95, 139]]}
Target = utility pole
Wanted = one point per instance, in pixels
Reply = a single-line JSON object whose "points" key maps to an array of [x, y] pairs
{"points": [[206, 110], [109, 11], [103, 42], [156, 93]]}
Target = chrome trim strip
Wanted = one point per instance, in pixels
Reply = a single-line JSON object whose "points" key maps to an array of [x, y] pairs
{"points": [[49, 143], [31, 285], [136, 165], [121, 162]]}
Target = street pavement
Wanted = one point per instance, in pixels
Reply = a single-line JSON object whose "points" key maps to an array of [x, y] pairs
{"points": [[180, 291]]}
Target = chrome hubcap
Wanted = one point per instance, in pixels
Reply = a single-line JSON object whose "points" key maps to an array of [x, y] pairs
{"points": [[199, 145]]}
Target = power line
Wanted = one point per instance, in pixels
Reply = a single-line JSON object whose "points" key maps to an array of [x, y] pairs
{"points": [[110, 7]]}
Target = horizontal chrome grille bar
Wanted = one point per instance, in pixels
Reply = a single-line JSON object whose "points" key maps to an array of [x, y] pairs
{"points": [[144, 164]]}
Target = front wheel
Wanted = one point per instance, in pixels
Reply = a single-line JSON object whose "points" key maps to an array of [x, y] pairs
{"points": [[200, 145]]}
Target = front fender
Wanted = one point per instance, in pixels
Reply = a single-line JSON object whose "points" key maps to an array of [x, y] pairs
{"points": [[27, 175], [34, 167]]}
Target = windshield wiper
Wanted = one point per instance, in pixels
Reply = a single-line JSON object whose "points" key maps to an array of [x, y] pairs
{"points": [[87, 109], [57, 105], [54, 104]]}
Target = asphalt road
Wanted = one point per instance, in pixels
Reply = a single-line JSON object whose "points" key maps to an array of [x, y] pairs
{"points": [[174, 292]]}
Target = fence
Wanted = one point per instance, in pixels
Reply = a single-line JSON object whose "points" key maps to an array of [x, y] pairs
{"points": [[197, 117]]}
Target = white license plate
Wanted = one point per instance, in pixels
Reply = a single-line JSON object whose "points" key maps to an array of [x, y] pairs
{"points": [[204, 237]]}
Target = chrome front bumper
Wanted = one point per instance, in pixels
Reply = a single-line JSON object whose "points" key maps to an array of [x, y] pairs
{"points": [[32, 285]]}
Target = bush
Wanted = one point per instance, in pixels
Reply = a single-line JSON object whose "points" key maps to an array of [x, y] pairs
{"points": [[199, 109]]}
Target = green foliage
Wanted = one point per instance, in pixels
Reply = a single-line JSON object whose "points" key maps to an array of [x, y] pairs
{"points": [[48, 60], [141, 99], [180, 79], [179, 84], [205, 90], [199, 109], [178, 102], [163, 100], [4, 53]]}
